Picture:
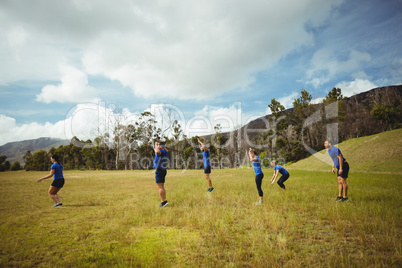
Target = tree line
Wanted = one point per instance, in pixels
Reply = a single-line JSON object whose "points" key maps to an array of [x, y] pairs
{"points": [[286, 135]]}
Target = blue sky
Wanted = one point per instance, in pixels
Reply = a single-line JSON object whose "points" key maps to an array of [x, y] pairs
{"points": [[62, 63]]}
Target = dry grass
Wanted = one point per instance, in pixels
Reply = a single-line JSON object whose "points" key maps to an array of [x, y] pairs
{"points": [[112, 218]]}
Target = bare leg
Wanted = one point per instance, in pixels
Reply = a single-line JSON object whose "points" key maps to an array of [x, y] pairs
{"points": [[161, 191], [344, 187], [340, 186], [53, 194], [208, 180]]}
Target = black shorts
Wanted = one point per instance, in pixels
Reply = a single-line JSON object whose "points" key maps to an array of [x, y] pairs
{"points": [[345, 171], [160, 175], [207, 170], [58, 183]]}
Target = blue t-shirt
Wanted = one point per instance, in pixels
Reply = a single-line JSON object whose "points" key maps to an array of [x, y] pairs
{"points": [[333, 153], [281, 169], [205, 158], [161, 160], [58, 174], [257, 166]]}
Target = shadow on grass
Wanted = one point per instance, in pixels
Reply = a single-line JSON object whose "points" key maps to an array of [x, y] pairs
{"points": [[82, 205]]}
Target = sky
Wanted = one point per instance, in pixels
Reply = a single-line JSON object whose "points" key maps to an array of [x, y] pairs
{"points": [[73, 68]]}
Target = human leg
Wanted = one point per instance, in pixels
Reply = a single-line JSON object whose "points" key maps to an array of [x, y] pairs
{"points": [[208, 180], [258, 183], [340, 187], [161, 191], [344, 187], [53, 194], [281, 180]]}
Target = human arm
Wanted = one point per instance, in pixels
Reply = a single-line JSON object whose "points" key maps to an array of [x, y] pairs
{"points": [[202, 146], [274, 176], [340, 163], [52, 171], [249, 156], [157, 149]]}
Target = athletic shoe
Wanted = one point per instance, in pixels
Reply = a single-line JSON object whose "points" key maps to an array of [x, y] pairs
{"points": [[58, 205], [164, 204], [345, 199], [258, 203], [211, 189], [339, 198]]}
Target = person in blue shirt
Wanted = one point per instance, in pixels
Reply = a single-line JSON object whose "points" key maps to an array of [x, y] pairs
{"points": [[160, 163], [259, 175], [56, 171], [340, 163], [207, 165], [279, 169]]}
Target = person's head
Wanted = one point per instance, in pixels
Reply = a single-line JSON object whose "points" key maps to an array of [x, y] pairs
{"points": [[160, 144], [54, 158], [273, 163], [327, 144], [253, 153]]}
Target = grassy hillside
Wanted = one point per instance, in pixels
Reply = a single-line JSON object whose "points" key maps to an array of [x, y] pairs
{"points": [[376, 153], [112, 219]]}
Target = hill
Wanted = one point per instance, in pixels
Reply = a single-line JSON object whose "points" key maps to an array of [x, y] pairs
{"points": [[376, 153], [16, 150]]}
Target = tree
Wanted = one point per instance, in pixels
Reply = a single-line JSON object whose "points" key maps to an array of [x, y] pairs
{"points": [[302, 109], [334, 95], [40, 161], [276, 107], [219, 140], [28, 160], [387, 114], [15, 166], [3, 163]]}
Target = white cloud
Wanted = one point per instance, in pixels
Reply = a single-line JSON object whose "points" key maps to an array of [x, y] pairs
{"points": [[185, 50], [325, 65], [350, 88], [204, 120], [86, 121], [73, 88], [287, 101]]}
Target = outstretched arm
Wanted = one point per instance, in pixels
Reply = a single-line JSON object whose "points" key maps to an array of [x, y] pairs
{"points": [[52, 171]]}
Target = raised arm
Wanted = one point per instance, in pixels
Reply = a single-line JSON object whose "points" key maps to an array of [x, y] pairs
{"points": [[202, 146], [249, 156], [157, 149]]}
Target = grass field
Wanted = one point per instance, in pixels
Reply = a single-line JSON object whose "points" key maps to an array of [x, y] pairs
{"points": [[112, 218], [376, 153]]}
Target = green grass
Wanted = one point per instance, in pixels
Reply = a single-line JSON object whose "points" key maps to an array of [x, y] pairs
{"points": [[377, 153], [112, 218]]}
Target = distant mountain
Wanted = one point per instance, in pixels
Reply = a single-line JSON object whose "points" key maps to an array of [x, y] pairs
{"points": [[16, 150]]}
